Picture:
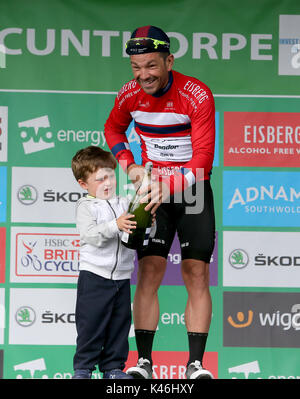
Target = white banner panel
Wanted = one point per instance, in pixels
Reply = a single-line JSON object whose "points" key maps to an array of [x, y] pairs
{"points": [[42, 316], [44, 255], [44, 195], [261, 259]]}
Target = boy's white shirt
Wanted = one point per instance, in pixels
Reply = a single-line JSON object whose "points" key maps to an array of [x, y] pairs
{"points": [[101, 251]]}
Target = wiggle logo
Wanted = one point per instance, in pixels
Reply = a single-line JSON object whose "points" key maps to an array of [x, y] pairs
{"points": [[241, 320]]}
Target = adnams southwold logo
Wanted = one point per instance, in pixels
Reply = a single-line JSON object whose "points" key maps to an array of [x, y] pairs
{"points": [[261, 198], [37, 135]]}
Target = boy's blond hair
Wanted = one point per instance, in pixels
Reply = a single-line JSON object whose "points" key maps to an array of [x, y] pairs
{"points": [[88, 160]]}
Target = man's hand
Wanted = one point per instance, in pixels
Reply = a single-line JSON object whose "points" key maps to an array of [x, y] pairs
{"points": [[136, 173], [156, 193]]}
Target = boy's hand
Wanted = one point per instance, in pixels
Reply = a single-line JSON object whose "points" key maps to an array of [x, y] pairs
{"points": [[125, 224]]}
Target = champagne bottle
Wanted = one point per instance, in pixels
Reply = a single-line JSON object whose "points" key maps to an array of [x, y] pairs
{"points": [[139, 238]]}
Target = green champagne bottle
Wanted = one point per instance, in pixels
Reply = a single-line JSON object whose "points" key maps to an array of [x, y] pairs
{"points": [[139, 238]]}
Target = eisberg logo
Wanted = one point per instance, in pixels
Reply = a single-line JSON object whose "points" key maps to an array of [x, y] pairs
{"points": [[266, 139]]}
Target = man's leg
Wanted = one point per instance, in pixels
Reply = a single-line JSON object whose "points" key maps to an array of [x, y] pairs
{"points": [[146, 311], [195, 274], [198, 311], [145, 306]]}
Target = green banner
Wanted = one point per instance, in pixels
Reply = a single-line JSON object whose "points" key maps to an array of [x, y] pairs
{"points": [[245, 48]]}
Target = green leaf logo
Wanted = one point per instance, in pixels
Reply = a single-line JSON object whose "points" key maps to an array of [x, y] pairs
{"points": [[238, 258]]}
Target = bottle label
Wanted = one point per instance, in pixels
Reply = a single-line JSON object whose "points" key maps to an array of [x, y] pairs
{"points": [[125, 237]]}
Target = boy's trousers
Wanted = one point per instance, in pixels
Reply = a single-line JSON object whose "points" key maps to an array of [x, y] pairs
{"points": [[103, 319]]}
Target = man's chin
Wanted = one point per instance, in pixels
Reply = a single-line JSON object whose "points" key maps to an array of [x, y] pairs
{"points": [[149, 89]]}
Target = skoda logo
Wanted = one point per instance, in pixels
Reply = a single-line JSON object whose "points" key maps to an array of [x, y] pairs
{"points": [[25, 316], [27, 194], [238, 258]]}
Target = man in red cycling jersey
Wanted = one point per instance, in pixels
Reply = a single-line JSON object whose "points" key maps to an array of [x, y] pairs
{"points": [[174, 116]]}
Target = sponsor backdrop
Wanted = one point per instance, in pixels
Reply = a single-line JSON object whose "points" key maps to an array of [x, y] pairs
{"points": [[61, 66]]}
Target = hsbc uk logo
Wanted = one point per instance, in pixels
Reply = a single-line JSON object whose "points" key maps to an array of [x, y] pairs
{"points": [[38, 135]]}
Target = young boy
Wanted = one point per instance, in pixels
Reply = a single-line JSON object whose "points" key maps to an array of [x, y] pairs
{"points": [[103, 306]]}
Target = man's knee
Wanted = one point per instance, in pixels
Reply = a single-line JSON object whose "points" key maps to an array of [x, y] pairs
{"points": [[151, 271], [195, 273]]}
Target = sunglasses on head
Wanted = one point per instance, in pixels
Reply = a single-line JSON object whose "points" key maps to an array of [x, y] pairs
{"points": [[141, 45]]}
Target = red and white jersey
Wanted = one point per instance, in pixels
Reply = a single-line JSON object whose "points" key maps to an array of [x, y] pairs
{"points": [[176, 127]]}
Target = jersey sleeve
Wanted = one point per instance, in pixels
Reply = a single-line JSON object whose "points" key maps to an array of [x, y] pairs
{"points": [[115, 134]]}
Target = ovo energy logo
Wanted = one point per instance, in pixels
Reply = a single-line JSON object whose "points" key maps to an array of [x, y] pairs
{"points": [[246, 368], [31, 366], [36, 135], [35, 139]]}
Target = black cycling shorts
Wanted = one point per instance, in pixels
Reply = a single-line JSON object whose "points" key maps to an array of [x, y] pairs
{"points": [[191, 215]]}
